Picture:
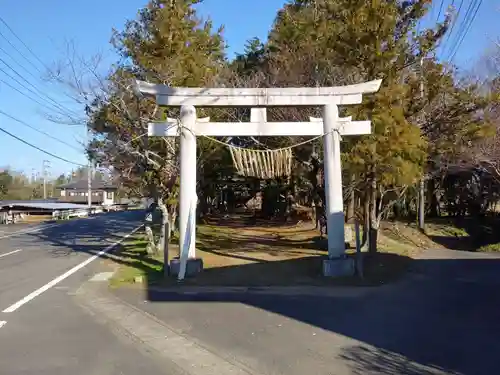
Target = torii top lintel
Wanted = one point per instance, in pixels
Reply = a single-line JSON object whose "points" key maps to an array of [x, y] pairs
{"points": [[257, 97]]}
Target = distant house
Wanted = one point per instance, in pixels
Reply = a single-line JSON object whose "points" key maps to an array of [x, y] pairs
{"points": [[103, 192]]}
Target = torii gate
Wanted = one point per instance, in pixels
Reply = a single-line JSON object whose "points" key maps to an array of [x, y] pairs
{"points": [[258, 99]]}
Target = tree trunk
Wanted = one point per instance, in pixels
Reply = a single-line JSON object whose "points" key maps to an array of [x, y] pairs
{"points": [[366, 217], [173, 221], [148, 228], [421, 204], [374, 222], [164, 225], [434, 210], [351, 206], [151, 246], [373, 237]]}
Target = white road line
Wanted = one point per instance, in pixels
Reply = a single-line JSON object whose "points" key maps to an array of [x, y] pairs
{"points": [[11, 252], [2, 323], [37, 229], [65, 275]]}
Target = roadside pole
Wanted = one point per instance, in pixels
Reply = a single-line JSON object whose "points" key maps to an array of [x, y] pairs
{"points": [[89, 175]]}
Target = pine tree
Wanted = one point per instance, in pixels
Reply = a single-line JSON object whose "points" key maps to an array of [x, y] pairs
{"points": [[336, 42], [167, 43]]}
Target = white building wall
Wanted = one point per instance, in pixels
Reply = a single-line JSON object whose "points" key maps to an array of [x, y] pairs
{"points": [[108, 198]]}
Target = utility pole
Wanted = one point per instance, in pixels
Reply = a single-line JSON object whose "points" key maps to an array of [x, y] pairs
{"points": [[89, 174], [45, 167], [89, 184], [421, 190]]}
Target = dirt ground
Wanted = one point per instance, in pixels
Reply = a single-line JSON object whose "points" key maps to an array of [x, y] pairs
{"points": [[238, 250]]}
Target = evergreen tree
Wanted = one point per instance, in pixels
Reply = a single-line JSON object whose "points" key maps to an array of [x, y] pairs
{"points": [[167, 43], [336, 42]]}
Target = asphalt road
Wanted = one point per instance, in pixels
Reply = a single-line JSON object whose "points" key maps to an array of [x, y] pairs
{"points": [[42, 329], [443, 318]]}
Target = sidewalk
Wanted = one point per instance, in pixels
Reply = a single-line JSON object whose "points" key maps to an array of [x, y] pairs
{"points": [[431, 322], [260, 332], [182, 354]]}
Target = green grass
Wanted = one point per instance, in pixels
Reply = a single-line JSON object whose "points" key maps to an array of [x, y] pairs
{"points": [[490, 248], [251, 256], [136, 262]]}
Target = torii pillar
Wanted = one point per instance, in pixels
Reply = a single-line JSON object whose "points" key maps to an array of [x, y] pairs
{"points": [[331, 126]]}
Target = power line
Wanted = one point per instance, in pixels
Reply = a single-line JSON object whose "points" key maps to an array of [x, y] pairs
{"points": [[20, 53], [466, 30], [55, 104], [29, 61], [39, 149], [23, 93], [440, 10], [463, 26], [38, 130], [36, 95], [455, 21], [19, 64], [26, 95], [24, 44]]}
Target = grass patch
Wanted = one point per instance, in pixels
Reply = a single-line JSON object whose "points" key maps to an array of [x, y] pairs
{"points": [[490, 248], [237, 254], [134, 262], [466, 233]]}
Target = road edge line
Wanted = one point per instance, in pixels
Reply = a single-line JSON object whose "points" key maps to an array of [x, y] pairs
{"points": [[10, 253], [33, 230], [65, 275]]}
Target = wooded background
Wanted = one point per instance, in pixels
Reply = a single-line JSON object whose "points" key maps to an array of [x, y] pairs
{"points": [[435, 128]]}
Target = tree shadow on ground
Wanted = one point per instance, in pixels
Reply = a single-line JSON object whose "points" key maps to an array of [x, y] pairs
{"points": [[364, 359], [467, 233], [379, 269], [438, 319], [244, 220], [275, 245], [88, 235]]}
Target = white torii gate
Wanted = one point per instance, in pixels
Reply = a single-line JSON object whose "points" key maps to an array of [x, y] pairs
{"points": [[258, 99]]}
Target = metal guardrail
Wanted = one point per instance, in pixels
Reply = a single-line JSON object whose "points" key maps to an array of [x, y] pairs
{"points": [[9, 217], [68, 214], [84, 212], [6, 218]]}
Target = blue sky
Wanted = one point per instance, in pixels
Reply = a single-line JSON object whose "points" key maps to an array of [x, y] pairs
{"points": [[45, 26]]}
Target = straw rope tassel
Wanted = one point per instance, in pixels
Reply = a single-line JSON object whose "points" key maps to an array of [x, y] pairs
{"points": [[263, 164], [260, 166], [240, 160], [244, 161], [251, 164], [233, 157], [255, 161], [266, 164], [280, 161]]}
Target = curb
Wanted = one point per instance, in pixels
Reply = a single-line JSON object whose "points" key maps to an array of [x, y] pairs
{"points": [[336, 291], [182, 352]]}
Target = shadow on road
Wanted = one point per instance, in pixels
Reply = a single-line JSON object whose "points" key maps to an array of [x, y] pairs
{"points": [[442, 317], [89, 235], [367, 360], [467, 233]]}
